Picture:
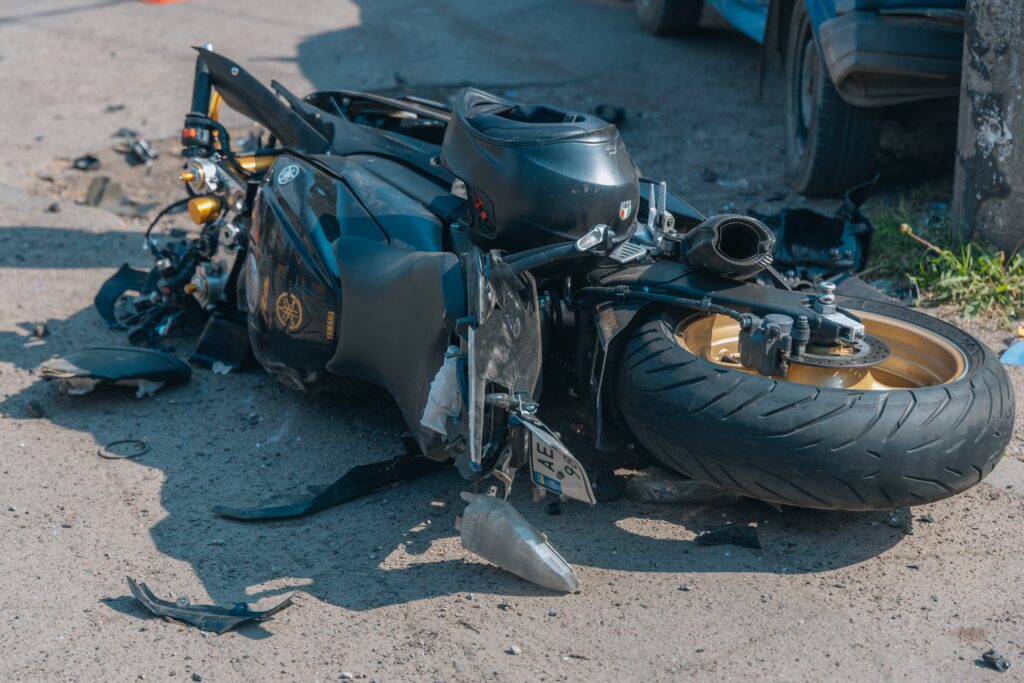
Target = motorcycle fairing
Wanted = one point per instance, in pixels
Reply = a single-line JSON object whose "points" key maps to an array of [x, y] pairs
{"points": [[399, 311], [502, 345], [246, 95]]}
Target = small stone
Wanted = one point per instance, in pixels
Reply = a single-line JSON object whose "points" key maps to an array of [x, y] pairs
{"points": [[65, 525], [197, 678], [40, 331], [347, 676], [35, 410], [685, 589], [926, 518], [504, 606], [53, 208], [514, 650]]}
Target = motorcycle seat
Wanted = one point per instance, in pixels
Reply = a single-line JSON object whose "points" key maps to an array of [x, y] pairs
{"points": [[505, 121]]}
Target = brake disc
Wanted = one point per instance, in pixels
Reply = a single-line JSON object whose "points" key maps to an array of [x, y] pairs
{"points": [[863, 353]]}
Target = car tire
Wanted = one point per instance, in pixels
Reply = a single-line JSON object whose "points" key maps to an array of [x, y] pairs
{"points": [[668, 17], [830, 144]]}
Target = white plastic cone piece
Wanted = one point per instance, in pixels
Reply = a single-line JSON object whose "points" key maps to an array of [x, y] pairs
{"points": [[492, 529]]}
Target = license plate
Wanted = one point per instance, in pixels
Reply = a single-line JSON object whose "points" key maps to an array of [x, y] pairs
{"points": [[553, 467]]}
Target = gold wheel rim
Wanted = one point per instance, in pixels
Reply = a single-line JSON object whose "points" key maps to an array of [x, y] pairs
{"points": [[918, 358]]}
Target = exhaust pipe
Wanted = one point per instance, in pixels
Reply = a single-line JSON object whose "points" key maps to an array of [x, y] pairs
{"points": [[729, 245]]}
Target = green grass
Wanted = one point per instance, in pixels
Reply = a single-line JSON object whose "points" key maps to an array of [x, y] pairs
{"points": [[976, 278]]}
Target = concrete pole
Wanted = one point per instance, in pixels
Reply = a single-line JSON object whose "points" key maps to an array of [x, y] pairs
{"points": [[988, 185]]}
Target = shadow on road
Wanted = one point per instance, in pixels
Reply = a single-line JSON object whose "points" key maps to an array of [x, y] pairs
{"points": [[243, 439]]}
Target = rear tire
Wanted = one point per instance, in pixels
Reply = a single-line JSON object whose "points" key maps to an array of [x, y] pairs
{"points": [[668, 17], [816, 447], [830, 145]]}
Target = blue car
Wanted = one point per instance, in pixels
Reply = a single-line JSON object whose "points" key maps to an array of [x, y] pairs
{"points": [[845, 60]]}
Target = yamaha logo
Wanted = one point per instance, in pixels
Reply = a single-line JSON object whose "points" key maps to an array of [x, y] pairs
{"points": [[287, 174]]}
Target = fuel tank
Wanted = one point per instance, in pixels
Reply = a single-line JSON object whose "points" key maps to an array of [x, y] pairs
{"points": [[292, 291], [347, 274]]}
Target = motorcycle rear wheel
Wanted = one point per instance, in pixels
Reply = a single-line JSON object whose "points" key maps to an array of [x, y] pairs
{"points": [[928, 423]]}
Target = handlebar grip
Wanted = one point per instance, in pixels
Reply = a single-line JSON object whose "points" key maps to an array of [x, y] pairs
{"points": [[201, 88]]}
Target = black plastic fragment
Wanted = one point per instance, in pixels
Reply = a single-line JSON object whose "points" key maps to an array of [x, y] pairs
{"points": [[358, 481], [996, 661], [86, 162], [734, 534], [117, 364], [126, 279], [204, 617]]}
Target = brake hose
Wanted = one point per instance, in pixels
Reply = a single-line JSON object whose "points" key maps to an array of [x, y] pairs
{"points": [[704, 305]]}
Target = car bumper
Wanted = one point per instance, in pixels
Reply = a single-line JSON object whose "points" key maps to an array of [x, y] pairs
{"points": [[881, 59]]}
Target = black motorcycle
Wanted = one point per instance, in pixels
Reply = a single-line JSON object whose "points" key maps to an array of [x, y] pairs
{"points": [[445, 253]]}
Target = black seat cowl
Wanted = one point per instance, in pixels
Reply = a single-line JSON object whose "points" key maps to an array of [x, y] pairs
{"points": [[503, 120]]}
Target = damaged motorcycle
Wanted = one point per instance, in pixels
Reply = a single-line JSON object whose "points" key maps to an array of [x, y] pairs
{"points": [[447, 253]]}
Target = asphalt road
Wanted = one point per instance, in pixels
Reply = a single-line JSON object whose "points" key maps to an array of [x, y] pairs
{"points": [[383, 589]]}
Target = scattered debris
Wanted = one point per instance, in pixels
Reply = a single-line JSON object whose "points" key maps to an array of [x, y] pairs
{"points": [[913, 566], [40, 331], [147, 370], [927, 518], [610, 113], [137, 149], [107, 194], [734, 534], [136, 448], [492, 529], [514, 650], [35, 410], [221, 368], [655, 485], [204, 617], [901, 519], [53, 208], [113, 108], [812, 246], [86, 162], [996, 661]]}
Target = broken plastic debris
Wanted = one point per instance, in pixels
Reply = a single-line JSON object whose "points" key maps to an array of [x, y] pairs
{"points": [[492, 529], [996, 661], [443, 401], [204, 617], [735, 534], [658, 486], [86, 162], [220, 368], [145, 369]]}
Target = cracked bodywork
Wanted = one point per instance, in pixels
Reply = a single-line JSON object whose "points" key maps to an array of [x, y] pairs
{"points": [[210, 618]]}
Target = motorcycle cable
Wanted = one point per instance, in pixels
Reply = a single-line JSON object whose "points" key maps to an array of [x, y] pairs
{"points": [[163, 212], [745, 320]]}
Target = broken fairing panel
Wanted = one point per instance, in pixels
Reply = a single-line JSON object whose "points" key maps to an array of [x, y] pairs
{"points": [[147, 370], [492, 529], [204, 617], [444, 401]]}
